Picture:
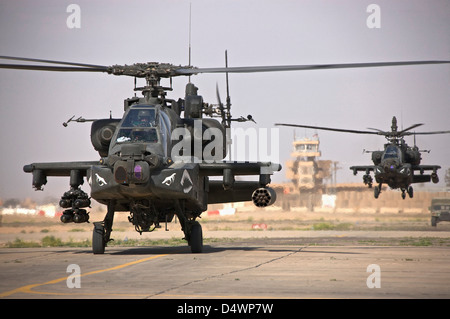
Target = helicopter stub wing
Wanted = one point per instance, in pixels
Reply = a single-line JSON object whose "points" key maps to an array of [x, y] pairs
{"points": [[423, 178], [228, 190], [239, 168], [425, 167], [40, 171], [228, 170], [367, 169]]}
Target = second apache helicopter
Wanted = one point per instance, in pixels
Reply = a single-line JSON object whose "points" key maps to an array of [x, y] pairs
{"points": [[147, 165], [396, 164]]}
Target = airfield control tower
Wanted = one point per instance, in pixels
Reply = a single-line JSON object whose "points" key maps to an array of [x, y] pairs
{"points": [[306, 174]]}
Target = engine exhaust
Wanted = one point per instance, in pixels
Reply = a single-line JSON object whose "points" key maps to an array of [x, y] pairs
{"points": [[263, 197]]}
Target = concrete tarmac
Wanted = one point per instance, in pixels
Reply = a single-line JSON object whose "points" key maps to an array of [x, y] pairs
{"points": [[328, 266]]}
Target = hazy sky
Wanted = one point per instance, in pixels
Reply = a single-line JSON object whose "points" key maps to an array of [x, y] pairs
{"points": [[34, 104]]}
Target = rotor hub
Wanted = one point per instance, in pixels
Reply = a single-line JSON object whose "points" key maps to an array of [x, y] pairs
{"points": [[149, 70]]}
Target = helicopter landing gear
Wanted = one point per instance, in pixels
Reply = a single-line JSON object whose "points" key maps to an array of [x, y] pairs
{"points": [[98, 238], [377, 191], [196, 237], [410, 192], [192, 229], [102, 230]]}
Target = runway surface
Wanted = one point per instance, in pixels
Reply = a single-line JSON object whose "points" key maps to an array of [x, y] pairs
{"points": [[326, 266]]}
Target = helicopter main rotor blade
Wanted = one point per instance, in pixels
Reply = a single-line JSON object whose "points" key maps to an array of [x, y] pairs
{"points": [[52, 68], [50, 61], [381, 132], [166, 70], [251, 69], [221, 108], [328, 129], [403, 132], [426, 133]]}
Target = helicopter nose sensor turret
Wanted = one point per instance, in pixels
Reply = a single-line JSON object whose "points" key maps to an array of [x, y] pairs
{"points": [[390, 166]]}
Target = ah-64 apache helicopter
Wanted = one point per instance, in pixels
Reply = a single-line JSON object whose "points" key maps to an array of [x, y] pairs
{"points": [[396, 164], [146, 168]]}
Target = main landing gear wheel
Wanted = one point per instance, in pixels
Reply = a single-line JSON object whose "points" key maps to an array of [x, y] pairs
{"points": [[98, 239], [196, 238], [410, 192], [102, 230], [376, 191]]}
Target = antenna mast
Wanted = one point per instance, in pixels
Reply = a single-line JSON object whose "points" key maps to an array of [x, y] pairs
{"points": [[190, 22]]}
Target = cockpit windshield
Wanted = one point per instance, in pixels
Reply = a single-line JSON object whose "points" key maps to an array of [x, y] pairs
{"points": [[140, 118], [391, 152], [139, 126]]}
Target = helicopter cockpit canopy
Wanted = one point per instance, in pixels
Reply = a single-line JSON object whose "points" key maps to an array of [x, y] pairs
{"points": [[139, 125], [391, 152]]}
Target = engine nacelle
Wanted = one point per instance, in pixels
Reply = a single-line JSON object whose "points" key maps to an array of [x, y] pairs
{"points": [[102, 132], [376, 157], [264, 196], [207, 136], [413, 157]]}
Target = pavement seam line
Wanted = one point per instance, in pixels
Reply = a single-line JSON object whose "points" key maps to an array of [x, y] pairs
{"points": [[227, 273]]}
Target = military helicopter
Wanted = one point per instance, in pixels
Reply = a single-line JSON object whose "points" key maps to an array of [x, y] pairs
{"points": [[156, 162], [396, 164]]}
